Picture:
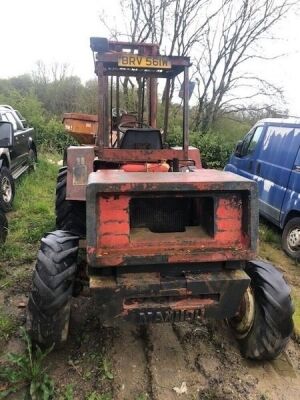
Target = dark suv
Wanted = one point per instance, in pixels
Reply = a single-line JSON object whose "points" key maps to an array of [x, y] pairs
{"points": [[17, 154]]}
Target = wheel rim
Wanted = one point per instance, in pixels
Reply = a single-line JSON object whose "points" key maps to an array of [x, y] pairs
{"points": [[6, 190], [293, 239], [243, 321]]}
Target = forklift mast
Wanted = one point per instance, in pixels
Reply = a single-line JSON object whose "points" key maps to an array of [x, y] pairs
{"points": [[143, 62]]}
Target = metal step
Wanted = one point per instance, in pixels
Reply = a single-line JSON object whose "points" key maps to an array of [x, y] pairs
{"points": [[20, 171]]}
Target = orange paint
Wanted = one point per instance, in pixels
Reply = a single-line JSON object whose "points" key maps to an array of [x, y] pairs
{"points": [[146, 167]]}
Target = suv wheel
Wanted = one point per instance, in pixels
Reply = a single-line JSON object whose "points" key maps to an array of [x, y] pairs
{"points": [[7, 189], [291, 238]]}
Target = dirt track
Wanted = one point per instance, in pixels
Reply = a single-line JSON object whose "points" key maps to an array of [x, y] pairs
{"points": [[159, 362], [166, 362], [180, 361], [202, 361]]}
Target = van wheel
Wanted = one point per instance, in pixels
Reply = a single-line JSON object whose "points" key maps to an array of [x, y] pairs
{"points": [[264, 322], [291, 238]]}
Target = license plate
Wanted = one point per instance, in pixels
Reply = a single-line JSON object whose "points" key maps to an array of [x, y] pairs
{"points": [[134, 61], [169, 316]]}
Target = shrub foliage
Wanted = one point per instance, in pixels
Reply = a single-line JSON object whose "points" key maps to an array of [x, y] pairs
{"points": [[43, 103]]}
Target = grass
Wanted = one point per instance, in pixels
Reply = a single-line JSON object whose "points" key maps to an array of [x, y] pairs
{"points": [[68, 393], [210, 394], [7, 324], [27, 371], [105, 369], [270, 249], [296, 317], [269, 234], [33, 212], [97, 396]]}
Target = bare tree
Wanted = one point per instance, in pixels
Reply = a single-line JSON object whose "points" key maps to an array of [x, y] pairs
{"points": [[229, 46], [224, 36], [54, 72], [175, 25], [40, 73]]}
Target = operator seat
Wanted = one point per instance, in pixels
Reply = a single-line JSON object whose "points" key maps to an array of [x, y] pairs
{"points": [[141, 139]]}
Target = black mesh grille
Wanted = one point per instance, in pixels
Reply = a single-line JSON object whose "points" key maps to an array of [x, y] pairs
{"points": [[160, 215]]}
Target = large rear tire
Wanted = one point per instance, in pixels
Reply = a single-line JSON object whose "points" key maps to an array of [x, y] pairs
{"points": [[264, 324], [48, 310], [70, 214], [3, 227]]}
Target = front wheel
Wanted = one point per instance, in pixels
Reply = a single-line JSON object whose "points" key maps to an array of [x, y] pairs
{"points": [[264, 323], [7, 189], [291, 238], [48, 312]]}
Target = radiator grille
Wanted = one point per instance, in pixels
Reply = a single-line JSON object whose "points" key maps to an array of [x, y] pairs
{"points": [[161, 214]]}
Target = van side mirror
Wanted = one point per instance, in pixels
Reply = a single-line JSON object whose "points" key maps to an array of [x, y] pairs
{"points": [[238, 149], [6, 134]]}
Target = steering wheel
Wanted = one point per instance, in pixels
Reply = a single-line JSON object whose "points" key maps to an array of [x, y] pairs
{"points": [[132, 124]]}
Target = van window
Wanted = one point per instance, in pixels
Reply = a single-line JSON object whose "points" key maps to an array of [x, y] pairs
{"points": [[255, 138], [280, 145], [251, 140]]}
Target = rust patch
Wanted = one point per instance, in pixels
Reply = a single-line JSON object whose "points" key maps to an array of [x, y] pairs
{"points": [[186, 303], [192, 303]]}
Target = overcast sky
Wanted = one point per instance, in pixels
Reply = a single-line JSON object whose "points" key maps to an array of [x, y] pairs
{"points": [[59, 31]]}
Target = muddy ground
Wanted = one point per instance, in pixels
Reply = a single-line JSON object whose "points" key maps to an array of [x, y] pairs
{"points": [[158, 362]]}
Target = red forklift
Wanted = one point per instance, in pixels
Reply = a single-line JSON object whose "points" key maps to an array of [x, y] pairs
{"points": [[164, 240]]}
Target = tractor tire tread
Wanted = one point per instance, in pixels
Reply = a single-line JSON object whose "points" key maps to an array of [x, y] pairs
{"points": [[53, 281], [70, 215], [273, 324]]}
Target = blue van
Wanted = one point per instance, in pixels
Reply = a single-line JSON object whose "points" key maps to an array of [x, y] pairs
{"points": [[270, 155]]}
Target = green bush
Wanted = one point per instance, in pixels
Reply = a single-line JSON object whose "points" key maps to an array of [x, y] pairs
{"points": [[215, 147], [49, 130], [215, 152], [52, 136]]}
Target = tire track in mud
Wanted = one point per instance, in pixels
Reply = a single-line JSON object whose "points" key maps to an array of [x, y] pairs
{"points": [[217, 360], [278, 379], [131, 378], [230, 376], [169, 367], [153, 360]]}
